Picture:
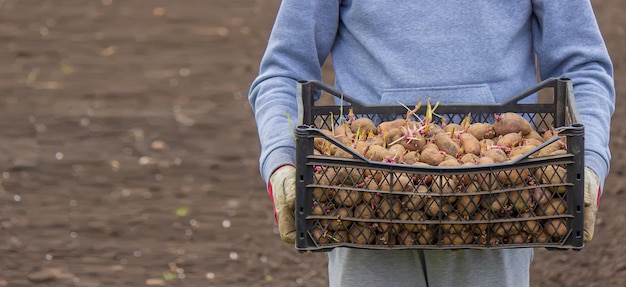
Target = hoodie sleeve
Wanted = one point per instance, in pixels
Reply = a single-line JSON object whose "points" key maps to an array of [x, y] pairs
{"points": [[569, 44], [300, 42]]}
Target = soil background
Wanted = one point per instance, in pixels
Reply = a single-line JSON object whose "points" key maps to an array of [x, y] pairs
{"points": [[128, 150]]}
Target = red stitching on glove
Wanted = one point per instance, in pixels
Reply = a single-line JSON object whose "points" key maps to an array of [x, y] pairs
{"points": [[271, 194], [598, 197]]}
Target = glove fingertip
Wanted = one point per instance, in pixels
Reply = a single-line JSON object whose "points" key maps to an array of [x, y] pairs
{"points": [[289, 238]]}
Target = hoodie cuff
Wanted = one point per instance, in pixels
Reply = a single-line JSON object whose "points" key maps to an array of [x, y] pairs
{"points": [[277, 158]]}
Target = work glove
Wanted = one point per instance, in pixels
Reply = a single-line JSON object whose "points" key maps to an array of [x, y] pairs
{"points": [[592, 201], [282, 190]]}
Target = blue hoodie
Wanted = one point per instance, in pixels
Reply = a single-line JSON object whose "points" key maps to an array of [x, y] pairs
{"points": [[449, 50]]}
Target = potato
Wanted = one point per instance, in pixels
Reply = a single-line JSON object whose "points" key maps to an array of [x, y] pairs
{"points": [[375, 140], [349, 177], [452, 128], [442, 184], [317, 210], [397, 152], [497, 155], [447, 157], [411, 157], [363, 211], [361, 146], [414, 218], [457, 238], [467, 205], [481, 131], [511, 123], [425, 237], [503, 229], [433, 129], [531, 226], [534, 135], [471, 187], [432, 157], [450, 162], [485, 181], [520, 238], [372, 183], [415, 201], [397, 182], [521, 200], [407, 238], [446, 144], [342, 153], [552, 147], [514, 157], [429, 146], [541, 196], [363, 125], [321, 144], [488, 182], [391, 136], [339, 222], [343, 134], [549, 133], [495, 202], [322, 209], [520, 150], [388, 125], [371, 197], [553, 175], [469, 144], [411, 124], [468, 178], [555, 206], [453, 223], [437, 207], [321, 194], [326, 177], [469, 158], [373, 175], [386, 232], [419, 163], [489, 240], [483, 216], [542, 237], [556, 228], [343, 129], [347, 198], [320, 236], [388, 208], [486, 144], [510, 140], [413, 144], [513, 177], [377, 153], [532, 141], [559, 152], [386, 227], [361, 235]]}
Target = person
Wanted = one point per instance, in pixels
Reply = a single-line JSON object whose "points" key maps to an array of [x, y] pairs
{"points": [[453, 52]]}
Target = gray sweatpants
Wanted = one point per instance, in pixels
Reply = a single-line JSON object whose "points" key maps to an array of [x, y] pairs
{"points": [[467, 268]]}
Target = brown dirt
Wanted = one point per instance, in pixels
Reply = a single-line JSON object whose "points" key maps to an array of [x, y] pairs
{"points": [[128, 151]]}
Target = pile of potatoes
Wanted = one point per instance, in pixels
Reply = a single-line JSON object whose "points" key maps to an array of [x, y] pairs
{"points": [[376, 206]]}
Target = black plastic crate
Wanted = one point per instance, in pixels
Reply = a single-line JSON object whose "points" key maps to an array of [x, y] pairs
{"points": [[354, 202]]}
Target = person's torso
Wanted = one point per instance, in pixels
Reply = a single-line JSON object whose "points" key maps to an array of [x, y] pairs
{"points": [[451, 51]]}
